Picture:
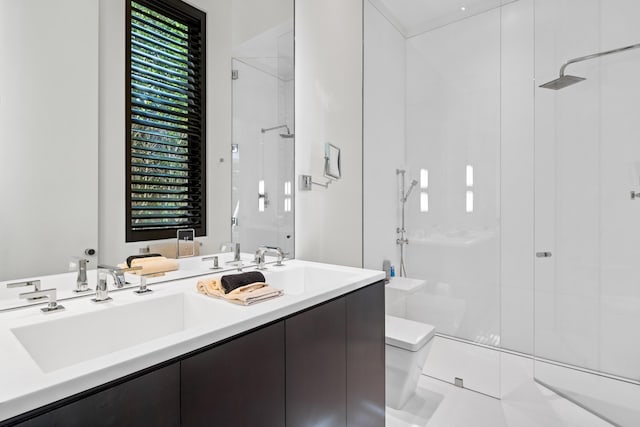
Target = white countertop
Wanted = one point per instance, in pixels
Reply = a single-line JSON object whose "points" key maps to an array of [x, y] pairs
{"points": [[65, 283], [24, 386]]}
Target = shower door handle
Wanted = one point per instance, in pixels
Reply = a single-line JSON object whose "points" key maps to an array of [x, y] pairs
{"points": [[543, 254]]}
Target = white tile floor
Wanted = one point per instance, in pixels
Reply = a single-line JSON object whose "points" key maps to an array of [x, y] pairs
{"points": [[439, 404], [509, 375]]}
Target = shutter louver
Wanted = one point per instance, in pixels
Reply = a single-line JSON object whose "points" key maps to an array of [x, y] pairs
{"points": [[166, 113]]}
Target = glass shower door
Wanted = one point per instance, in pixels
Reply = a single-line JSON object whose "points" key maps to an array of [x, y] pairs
{"points": [[587, 238]]}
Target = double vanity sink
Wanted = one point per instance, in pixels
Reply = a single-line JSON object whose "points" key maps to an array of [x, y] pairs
{"points": [[48, 357]]}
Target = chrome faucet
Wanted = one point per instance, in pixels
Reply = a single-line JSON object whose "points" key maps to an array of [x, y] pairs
{"points": [[263, 250], [36, 288], [279, 253], [142, 289], [82, 284], [102, 290], [117, 273], [214, 258], [45, 293], [235, 247], [259, 258]]}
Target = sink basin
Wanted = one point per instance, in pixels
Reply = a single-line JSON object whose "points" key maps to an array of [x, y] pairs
{"points": [[62, 342], [300, 279]]}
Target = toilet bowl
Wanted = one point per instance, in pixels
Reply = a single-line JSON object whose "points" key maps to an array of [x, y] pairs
{"points": [[407, 346]]}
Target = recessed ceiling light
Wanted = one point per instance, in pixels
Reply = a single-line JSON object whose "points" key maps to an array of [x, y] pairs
{"points": [[463, 8]]}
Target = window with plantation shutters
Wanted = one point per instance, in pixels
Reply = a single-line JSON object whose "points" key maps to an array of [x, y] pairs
{"points": [[165, 118]]}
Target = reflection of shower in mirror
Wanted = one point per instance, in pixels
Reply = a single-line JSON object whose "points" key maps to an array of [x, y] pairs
{"points": [[287, 135], [400, 231]]}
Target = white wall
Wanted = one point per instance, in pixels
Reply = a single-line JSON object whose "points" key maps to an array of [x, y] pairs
{"points": [[48, 134], [328, 103], [113, 248], [253, 17], [384, 137]]}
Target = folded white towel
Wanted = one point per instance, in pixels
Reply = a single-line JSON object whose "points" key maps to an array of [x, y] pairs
{"points": [[244, 295]]}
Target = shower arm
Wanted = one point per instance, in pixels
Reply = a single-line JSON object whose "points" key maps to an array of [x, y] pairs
{"points": [[596, 55], [265, 130]]}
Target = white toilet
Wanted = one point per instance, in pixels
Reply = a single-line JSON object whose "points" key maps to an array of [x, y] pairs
{"points": [[407, 346]]}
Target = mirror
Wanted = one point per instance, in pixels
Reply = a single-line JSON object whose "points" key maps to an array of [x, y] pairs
{"points": [[332, 161], [62, 140], [263, 138], [49, 135]]}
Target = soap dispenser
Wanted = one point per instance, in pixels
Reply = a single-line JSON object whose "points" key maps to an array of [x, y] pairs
{"points": [[386, 267]]}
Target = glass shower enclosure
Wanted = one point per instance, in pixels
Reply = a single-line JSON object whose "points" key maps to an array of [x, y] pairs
{"points": [[523, 223], [587, 285]]}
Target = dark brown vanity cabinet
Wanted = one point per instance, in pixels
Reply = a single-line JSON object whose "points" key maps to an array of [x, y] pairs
{"points": [[366, 357], [317, 366], [335, 362], [152, 399], [239, 383], [322, 366]]}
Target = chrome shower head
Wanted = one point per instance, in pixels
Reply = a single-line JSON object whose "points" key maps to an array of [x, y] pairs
{"points": [[562, 82], [287, 135], [566, 80]]}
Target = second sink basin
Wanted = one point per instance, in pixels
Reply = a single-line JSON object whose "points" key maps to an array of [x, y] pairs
{"points": [[62, 342], [300, 279]]}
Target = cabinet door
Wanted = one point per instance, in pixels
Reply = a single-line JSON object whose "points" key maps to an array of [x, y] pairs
{"points": [[366, 357], [239, 383], [152, 399], [316, 366]]}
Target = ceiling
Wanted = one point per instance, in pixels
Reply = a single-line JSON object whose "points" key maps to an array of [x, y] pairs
{"points": [[413, 17]]}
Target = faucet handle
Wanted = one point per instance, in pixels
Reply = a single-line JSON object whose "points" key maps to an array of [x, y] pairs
{"points": [[35, 283], [36, 287], [142, 289], [214, 258], [45, 293], [259, 257]]}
